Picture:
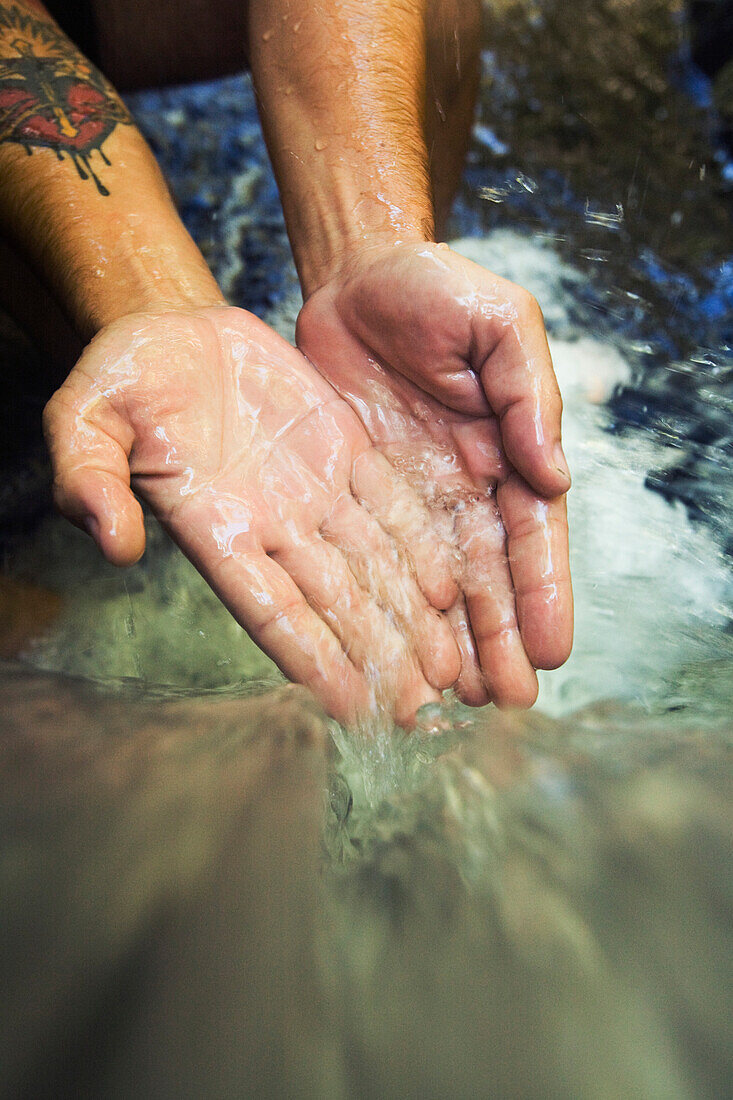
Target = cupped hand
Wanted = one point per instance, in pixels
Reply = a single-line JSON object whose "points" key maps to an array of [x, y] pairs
{"points": [[449, 371], [268, 482]]}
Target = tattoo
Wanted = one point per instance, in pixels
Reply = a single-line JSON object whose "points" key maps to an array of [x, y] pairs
{"points": [[51, 97]]}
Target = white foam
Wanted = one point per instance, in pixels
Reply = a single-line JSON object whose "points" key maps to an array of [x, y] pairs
{"points": [[652, 589]]}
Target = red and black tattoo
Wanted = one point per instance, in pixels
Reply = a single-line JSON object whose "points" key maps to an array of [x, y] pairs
{"points": [[51, 97]]}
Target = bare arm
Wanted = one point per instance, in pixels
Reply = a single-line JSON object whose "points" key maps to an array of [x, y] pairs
{"points": [[81, 195], [342, 84]]}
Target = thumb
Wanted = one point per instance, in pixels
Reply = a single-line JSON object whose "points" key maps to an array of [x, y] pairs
{"points": [[90, 443]]}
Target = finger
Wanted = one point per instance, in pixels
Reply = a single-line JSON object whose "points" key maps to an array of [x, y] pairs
{"points": [[469, 687], [90, 444], [537, 541], [366, 633], [487, 585], [272, 609], [373, 560], [400, 512], [516, 370], [480, 445], [455, 386]]}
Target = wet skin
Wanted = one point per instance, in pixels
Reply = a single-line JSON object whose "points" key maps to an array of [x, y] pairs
{"points": [[268, 482], [448, 368], [421, 428]]}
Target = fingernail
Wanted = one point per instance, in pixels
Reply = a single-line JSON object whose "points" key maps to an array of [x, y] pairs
{"points": [[561, 463], [92, 527]]}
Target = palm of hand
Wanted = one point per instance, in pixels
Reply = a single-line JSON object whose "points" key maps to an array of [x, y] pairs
{"points": [[258, 470], [447, 368]]}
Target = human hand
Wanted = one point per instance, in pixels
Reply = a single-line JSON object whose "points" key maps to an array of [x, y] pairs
{"points": [[448, 369], [268, 482]]}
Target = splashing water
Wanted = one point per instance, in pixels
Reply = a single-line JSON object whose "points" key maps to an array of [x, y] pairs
{"points": [[653, 588]]}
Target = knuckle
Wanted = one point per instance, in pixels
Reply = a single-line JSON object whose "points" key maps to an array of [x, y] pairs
{"points": [[527, 307]]}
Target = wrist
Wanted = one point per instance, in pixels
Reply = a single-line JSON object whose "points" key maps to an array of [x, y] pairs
{"points": [[332, 253], [138, 271], [342, 197], [340, 202]]}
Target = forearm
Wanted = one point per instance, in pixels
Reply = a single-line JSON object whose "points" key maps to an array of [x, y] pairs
{"points": [[342, 86], [81, 196]]}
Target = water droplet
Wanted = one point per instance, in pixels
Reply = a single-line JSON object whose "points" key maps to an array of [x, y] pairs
{"points": [[430, 718], [608, 219]]}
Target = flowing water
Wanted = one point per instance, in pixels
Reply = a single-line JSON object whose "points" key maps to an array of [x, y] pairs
{"points": [[530, 905]]}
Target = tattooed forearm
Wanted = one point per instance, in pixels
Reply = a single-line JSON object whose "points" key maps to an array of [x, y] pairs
{"points": [[51, 97]]}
